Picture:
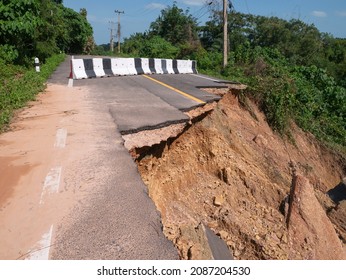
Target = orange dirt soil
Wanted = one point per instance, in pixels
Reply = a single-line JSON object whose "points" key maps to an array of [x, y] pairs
{"points": [[233, 173], [27, 153]]}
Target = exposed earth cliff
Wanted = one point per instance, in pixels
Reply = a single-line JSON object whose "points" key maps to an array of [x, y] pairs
{"points": [[266, 197]]}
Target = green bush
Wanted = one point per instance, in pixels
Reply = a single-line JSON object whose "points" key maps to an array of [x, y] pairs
{"points": [[8, 54], [157, 47], [143, 45], [322, 103], [208, 61], [285, 92]]}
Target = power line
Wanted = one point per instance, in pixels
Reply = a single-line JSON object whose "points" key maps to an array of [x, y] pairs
{"points": [[197, 13], [203, 15], [231, 6], [148, 10], [207, 5], [247, 7]]}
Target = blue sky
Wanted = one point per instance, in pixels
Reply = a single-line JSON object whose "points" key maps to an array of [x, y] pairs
{"points": [[327, 15]]}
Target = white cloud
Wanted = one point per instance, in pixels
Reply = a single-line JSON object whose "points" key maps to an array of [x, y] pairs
{"points": [[319, 14], [194, 2], [155, 6], [341, 13]]}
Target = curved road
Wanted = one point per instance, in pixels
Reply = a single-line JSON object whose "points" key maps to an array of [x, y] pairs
{"points": [[76, 192]]}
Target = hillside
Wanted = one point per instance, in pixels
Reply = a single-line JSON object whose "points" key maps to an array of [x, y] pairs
{"points": [[232, 173]]}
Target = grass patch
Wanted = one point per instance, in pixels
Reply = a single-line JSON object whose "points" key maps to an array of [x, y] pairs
{"points": [[19, 85]]}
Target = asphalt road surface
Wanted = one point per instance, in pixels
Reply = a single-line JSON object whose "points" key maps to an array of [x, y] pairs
{"points": [[94, 204], [151, 101]]}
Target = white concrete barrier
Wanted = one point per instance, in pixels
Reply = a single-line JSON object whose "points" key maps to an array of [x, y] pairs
{"points": [[98, 67], [130, 62], [78, 69], [119, 67], [169, 65], [182, 66], [145, 66], [101, 67], [158, 65]]}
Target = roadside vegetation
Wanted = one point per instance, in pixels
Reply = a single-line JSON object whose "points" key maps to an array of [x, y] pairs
{"points": [[293, 71], [35, 28], [20, 85]]}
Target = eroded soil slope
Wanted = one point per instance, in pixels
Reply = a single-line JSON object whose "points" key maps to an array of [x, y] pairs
{"points": [[230, 172]]}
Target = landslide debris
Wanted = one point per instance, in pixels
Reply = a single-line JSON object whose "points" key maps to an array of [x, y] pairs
{"points": [[312, 233], [231, 172]]}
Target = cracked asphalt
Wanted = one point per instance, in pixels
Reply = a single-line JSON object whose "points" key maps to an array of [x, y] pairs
{"points": [[98, 206]]}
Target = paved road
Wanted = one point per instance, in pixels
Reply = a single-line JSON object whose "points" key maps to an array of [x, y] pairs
{"points": [[139, 102], [135, 103], [151, 101], [101, 209], [133, 106], [120, 221]]}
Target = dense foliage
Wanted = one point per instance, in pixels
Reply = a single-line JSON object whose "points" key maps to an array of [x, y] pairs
{"points": [[35, 28], [175, 26], [305, 94], [40, 28], [300, 43], [294, 72], [173, 34], [141, 45]]}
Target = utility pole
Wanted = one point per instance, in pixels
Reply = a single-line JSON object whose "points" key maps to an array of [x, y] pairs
{"points": [[112, 36], [225, 33], [119, 30]]}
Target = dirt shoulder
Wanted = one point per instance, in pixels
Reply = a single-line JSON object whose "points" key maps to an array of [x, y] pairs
{"points": [[28, 152], [69, 189]]}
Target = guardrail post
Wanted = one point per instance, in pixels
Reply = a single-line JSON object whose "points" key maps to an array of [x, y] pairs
{"points": [[37, 64]]}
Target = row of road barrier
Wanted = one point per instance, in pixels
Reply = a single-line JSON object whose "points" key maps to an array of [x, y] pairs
{"points": [[107, 67]]}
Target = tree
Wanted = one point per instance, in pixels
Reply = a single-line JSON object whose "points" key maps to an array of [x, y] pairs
{"points": [[41, 28], [211, 36], [46, 34], [83, 12], [144, 45], [175, 26], [158, 47], [300, 43], [79, 31], [19, 20], [134, 44]]}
